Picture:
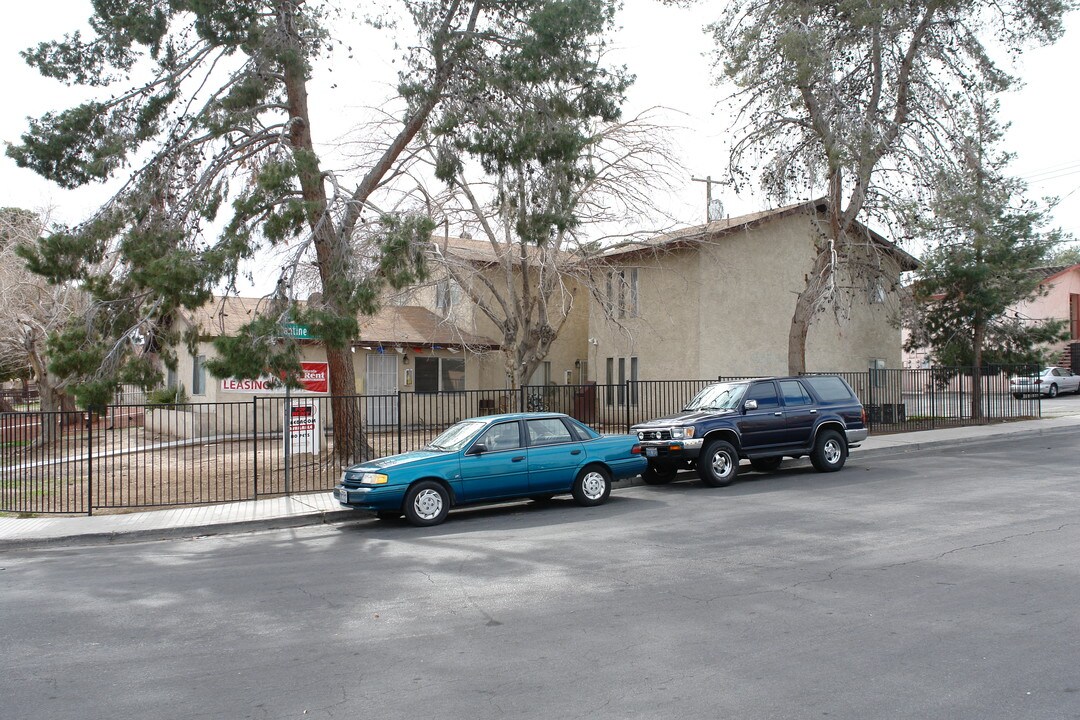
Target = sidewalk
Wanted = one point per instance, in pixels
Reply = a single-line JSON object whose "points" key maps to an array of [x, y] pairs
{"points": [[321, 508]]}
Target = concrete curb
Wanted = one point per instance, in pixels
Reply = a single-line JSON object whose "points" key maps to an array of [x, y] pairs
{"points": [[318, 517]]}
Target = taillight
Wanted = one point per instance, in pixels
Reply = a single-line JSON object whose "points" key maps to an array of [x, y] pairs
{"points": [[864, 416], [636, 450]]}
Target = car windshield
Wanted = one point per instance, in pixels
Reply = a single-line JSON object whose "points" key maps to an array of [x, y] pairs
{"points": [[456, 436], [723, 396]]}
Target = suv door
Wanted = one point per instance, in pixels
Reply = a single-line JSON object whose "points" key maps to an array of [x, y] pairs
{"points": [[800, 414], [763, 427]]}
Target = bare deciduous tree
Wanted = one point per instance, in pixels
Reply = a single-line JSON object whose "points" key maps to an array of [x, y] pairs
{"points": [[31, 309]]}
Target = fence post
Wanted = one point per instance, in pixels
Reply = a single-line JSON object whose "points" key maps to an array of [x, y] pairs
{"points": [[400, 425], [933, 405], [627, 398], [89, 460], [871, 379], [286, 432], [255, 446], [523, 405]]}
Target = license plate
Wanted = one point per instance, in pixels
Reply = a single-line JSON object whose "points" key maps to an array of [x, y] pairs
{"points": [[650, 452], [343, 495]]}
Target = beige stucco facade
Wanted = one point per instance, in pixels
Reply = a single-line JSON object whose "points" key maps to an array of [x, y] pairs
{"points": [[722, 305]]}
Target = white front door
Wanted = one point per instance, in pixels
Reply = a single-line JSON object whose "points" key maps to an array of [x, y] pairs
{"points": [[382, 387]]}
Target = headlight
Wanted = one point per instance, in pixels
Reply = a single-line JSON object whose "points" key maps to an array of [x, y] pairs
{"points": [[373, 479], [680, 433], [641, 436]]}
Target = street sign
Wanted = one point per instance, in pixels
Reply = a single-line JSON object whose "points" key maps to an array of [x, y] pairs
{"points": [[297, 331]]}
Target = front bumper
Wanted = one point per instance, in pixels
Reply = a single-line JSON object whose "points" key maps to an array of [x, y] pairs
{"points": [[369, 497], [671, 451]]}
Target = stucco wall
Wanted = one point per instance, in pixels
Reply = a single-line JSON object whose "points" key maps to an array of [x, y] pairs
{"points": [[664, 337], [725, 309]]}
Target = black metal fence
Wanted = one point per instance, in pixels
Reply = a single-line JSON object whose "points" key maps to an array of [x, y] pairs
{"points": [[139, 456]]}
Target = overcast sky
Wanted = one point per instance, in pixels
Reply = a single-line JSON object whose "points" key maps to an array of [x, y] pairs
{"points": [[663, 46]]}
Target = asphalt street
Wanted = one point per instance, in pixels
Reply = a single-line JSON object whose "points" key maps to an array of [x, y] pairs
{"points": [[940, 585]]}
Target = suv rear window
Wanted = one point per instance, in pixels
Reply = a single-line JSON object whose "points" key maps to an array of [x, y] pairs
{"points": [[829, 388]]}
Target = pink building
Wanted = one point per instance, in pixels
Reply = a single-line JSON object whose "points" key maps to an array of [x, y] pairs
{"points": [[1061, 302]]}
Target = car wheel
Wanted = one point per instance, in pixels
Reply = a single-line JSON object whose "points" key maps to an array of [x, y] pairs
{"points": [[426, 503], [654, 475], [388, 514], [1053, 390], [592, 486], [830, 452], [1018, 396], [766, 464], [718, 463]]}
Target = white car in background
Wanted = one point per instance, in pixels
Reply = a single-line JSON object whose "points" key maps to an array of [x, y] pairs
{"points": [[1049, 382]]}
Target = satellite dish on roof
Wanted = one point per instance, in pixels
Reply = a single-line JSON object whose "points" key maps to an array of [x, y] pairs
{"points": [[716, 210]]}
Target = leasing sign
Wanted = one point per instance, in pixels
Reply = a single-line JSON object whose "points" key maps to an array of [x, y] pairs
{"points": [[314, 378]]}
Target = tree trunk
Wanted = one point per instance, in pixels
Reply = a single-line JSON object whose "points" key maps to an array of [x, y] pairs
{"points": [[976, 372]]}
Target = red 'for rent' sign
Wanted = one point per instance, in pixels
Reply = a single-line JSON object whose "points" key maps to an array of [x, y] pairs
{"points": [[314, 378]]}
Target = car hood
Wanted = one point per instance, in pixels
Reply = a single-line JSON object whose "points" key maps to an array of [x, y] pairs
{"points": [[688, 417], [414, 456]]}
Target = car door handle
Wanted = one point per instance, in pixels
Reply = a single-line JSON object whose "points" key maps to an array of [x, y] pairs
{"points": [[518, 458], [575, 452], [778, 414], [813, 411]]}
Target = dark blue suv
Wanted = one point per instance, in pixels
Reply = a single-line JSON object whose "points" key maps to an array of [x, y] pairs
{"points": [[763, 420]]}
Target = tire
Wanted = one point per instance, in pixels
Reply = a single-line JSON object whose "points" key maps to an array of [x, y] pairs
{"points": [[1053, 390], [830, 451], [592, 486], [718, 464], [653, 475], [766, 464], [1018, 396], [388, 515], [426, 504]]}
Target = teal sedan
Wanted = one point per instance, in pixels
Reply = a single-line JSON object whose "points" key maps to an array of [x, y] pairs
{"points": [[494, 458]]}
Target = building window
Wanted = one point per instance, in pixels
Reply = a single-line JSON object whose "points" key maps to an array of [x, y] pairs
{"points": [[198, 375], [447, 294], [609, 380], [170, 378], [877, 372], [617, 387], [542, 374], [622, 293], [434, 374], [876, 291]]}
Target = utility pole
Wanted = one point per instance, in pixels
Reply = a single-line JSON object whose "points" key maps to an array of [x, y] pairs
{"points": [[709, 182]]}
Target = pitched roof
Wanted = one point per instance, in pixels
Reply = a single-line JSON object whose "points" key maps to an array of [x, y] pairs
{"points": [[1050, 272], [716, 229], [391, 325], [483, 251], [225, 315], [411, 325]]}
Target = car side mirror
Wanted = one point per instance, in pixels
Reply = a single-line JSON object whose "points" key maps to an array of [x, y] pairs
{"points": [[478, 449], [750, 405]]}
